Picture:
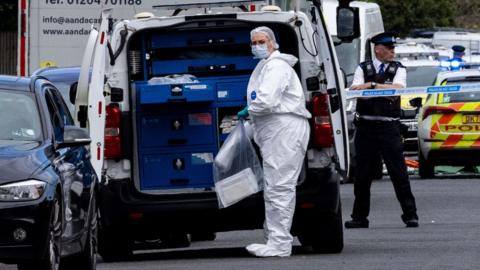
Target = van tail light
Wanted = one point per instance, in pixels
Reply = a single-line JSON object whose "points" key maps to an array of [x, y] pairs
{"points": [[113, 140], [322, 127], [437, 110]]}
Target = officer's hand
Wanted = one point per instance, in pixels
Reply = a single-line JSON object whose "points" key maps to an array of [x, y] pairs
{"points": [[362, 86], [243, 113]]}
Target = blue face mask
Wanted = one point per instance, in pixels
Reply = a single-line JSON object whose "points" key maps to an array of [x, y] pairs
{"points": [[260, 51]]}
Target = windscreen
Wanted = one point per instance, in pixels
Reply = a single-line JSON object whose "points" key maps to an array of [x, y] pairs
{"points": [[464, 96], [20, 117], [348, 54], [421, 76]]}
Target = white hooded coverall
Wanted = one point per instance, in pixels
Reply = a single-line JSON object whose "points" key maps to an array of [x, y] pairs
{"points": [[276, 104]]}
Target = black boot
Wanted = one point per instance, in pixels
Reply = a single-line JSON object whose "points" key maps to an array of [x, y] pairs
{"points": [[356, 223]]}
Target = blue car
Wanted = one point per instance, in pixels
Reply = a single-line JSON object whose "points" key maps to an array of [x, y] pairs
{"points": [[48, 187]]}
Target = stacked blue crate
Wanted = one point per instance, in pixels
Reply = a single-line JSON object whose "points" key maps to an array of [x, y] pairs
{"points": [[177, 124]]}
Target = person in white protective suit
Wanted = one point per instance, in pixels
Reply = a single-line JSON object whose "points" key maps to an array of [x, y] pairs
{"points": [[276, 105]]}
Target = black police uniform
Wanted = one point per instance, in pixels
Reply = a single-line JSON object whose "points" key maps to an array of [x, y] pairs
{"points": [[376, 136]]}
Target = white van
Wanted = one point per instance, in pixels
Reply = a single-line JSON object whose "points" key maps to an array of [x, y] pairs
{"points": [[351, 53], [469, 40], [159, 139]]}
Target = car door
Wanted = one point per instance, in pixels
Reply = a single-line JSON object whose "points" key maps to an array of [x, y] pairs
{"points": [[72, 166]]}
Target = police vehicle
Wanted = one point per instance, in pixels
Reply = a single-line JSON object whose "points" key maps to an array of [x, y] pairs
{"points": [[449, 125], [154, 139]]}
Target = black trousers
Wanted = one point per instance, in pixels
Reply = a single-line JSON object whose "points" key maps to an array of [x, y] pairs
{"points": [[374, 138]]}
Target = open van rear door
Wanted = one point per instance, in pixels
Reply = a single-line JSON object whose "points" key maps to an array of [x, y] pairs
{"points": [[336, 99], [90, 101]]}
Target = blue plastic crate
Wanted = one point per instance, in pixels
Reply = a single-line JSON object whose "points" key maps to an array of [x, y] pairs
{"points": [[168, 93], [176, 127], [177, 170]]}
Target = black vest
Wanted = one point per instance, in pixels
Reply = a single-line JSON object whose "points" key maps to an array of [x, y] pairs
{"points": [[379, 106]]}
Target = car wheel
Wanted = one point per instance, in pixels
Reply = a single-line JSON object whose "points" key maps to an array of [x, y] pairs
{"points": [[323, 234], [425, 168], [203, 236], [87, 259], [176, 240], [52, 252], [114, 244]]}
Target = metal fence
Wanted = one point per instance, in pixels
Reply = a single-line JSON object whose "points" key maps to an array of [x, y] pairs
{"points": [[8, 53]]}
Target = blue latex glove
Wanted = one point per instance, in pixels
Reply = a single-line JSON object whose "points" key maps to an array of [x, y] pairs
{"points": [[243, 113]]}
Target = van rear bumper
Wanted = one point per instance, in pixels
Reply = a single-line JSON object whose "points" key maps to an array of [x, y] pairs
{"points": [[145, 216]]}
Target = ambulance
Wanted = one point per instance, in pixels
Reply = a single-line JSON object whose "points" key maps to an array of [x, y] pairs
{"points": [[449, 125]]}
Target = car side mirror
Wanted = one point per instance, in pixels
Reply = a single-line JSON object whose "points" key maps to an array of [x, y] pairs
{"points": [[74, 136], [348, 23], [73, 92], [416, 102]]}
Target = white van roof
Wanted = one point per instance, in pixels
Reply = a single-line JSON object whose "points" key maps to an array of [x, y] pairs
{"points": [[471, 41]]}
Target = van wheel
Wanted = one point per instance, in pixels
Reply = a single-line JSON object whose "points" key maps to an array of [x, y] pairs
{"points": [[324, 235], [52, 252], [176, 240], [203, 236], [113, 245], [425, 168]]}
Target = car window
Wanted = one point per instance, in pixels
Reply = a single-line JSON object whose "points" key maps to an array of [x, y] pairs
{"points": [[62, 108], [421, 76], [461, 97], [55, 118], [20, 117], [64, 88]]}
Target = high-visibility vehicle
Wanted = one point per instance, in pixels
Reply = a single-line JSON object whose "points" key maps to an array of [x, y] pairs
{"points": [[449, 125], [155, 135]]}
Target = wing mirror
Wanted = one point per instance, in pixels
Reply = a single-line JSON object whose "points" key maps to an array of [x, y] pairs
{"points": [[416, 102], [74, 136], [348, 23]]}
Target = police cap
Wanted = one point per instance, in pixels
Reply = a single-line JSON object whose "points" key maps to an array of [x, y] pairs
{"points": [[458, 48], [385, 38]]}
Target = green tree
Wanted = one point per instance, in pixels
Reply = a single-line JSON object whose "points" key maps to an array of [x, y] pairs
{"points": [[8, 13], [467, 13], [402, 16]]}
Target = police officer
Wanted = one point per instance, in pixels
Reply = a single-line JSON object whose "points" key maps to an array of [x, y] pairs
{"points": [[378, 132], [457, 62]]}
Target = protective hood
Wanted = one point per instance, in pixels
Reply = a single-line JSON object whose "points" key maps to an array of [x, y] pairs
{"points": [[274, 88], [290, 59]]}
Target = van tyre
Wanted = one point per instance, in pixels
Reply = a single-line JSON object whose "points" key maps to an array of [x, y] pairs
{"points": [[425, 168], [114, 244], [203, 236], [176, 240], [323, 234], [50, 260]]}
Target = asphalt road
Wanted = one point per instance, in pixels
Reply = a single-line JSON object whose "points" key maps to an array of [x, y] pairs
{"points": [[448, 237]]}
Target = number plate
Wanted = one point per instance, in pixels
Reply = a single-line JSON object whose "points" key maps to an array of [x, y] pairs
{"points": [[471, 119]]}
